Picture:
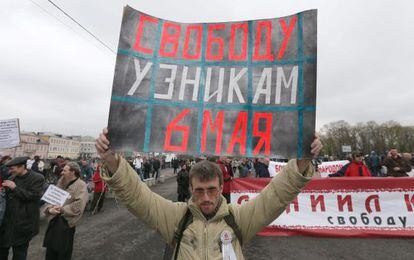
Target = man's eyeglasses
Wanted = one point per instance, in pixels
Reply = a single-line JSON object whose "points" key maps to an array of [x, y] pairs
{"points": [[210, 192]]}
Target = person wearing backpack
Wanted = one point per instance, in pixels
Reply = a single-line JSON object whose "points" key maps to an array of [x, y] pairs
{"points": [[205, 229]]}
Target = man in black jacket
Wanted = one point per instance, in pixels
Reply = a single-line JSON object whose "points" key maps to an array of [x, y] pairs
{"points": [[156, 167], [21, 219], [262, 170]]}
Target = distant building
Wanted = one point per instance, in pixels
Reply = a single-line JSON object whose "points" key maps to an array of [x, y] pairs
{"points": [[65, 146], [51, 145], [87, 147]]}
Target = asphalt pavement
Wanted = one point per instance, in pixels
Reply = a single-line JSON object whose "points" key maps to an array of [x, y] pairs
{"points": [[117, 234]]}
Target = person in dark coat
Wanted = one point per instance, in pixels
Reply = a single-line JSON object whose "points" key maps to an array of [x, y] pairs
{"points": [[156, 167], [35, 165], [374, 164], [262, 170], [4, 170], [243, 169], [21, 220], [146, 165], [86, 171], [175, 163], [397, 166], [183, 184]]}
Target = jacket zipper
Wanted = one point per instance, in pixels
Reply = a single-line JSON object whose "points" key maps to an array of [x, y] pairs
{"points": [[205, 241]]}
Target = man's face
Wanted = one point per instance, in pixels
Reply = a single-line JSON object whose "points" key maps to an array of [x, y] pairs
{"points": [[83, 162], [67, 173], [17, 170], [394, 153], [266, 161], [206, 194]]}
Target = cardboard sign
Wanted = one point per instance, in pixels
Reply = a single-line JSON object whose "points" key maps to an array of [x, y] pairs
{"points": [[243, 88], [55, 195], [9, 133]]}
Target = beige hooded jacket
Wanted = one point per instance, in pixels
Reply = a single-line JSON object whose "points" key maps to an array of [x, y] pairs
{"points": [[201, 238]]}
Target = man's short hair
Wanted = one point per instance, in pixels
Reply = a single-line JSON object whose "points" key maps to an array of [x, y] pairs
{"points": [[74, 167], [206, 171]]}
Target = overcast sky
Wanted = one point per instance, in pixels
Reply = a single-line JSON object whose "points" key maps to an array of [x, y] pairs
{"points": [[55, 77]]}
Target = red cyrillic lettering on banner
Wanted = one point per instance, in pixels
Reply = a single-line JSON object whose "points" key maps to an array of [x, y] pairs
{"points": [[263, 135], [346, 200], [172, 126], [319, 200], [263, 25], [295, 206], [215, 40], [376, 203], [217, 126], [137, 45], [243, 54], [239, 126], [408, 202], [287, 32], [243, 198], [199, 30], [172, 39]]}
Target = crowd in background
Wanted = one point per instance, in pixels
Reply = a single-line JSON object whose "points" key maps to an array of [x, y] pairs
{"points": [[88, 172]]}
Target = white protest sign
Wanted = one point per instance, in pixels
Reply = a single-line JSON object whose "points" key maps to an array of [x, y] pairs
{"points": [[55, 196], [325, 168], [9, 133]]}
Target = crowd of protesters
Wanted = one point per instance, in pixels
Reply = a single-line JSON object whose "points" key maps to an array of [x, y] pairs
{"points": [[83, 180], [24, 181], [389, 164]]}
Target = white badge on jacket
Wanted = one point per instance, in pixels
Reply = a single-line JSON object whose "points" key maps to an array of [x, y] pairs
{"points": [[228, 250]]}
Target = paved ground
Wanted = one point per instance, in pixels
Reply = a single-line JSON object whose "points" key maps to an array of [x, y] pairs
{"points": [[116, 234]]}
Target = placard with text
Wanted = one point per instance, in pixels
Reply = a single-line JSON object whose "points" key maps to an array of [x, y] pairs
{"points": [[244, 88]]}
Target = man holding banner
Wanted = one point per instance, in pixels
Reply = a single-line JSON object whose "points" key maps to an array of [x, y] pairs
{"points": [[243, 89], [208, 235]]}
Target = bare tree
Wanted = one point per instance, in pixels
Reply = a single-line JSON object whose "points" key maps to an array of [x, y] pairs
{"points": [[366, 137]]}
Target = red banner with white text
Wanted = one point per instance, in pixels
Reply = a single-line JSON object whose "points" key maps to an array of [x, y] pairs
{"points": [[340, 207]]}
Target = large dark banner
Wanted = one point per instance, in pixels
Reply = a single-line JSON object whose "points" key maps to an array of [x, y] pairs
{"points": [[243, 88]]}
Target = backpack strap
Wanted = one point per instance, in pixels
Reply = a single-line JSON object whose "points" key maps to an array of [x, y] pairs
{"points": [[186, 220], [232, 223]]}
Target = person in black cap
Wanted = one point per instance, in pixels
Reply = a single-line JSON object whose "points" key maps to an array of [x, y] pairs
{"points": [[21, 219]]}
